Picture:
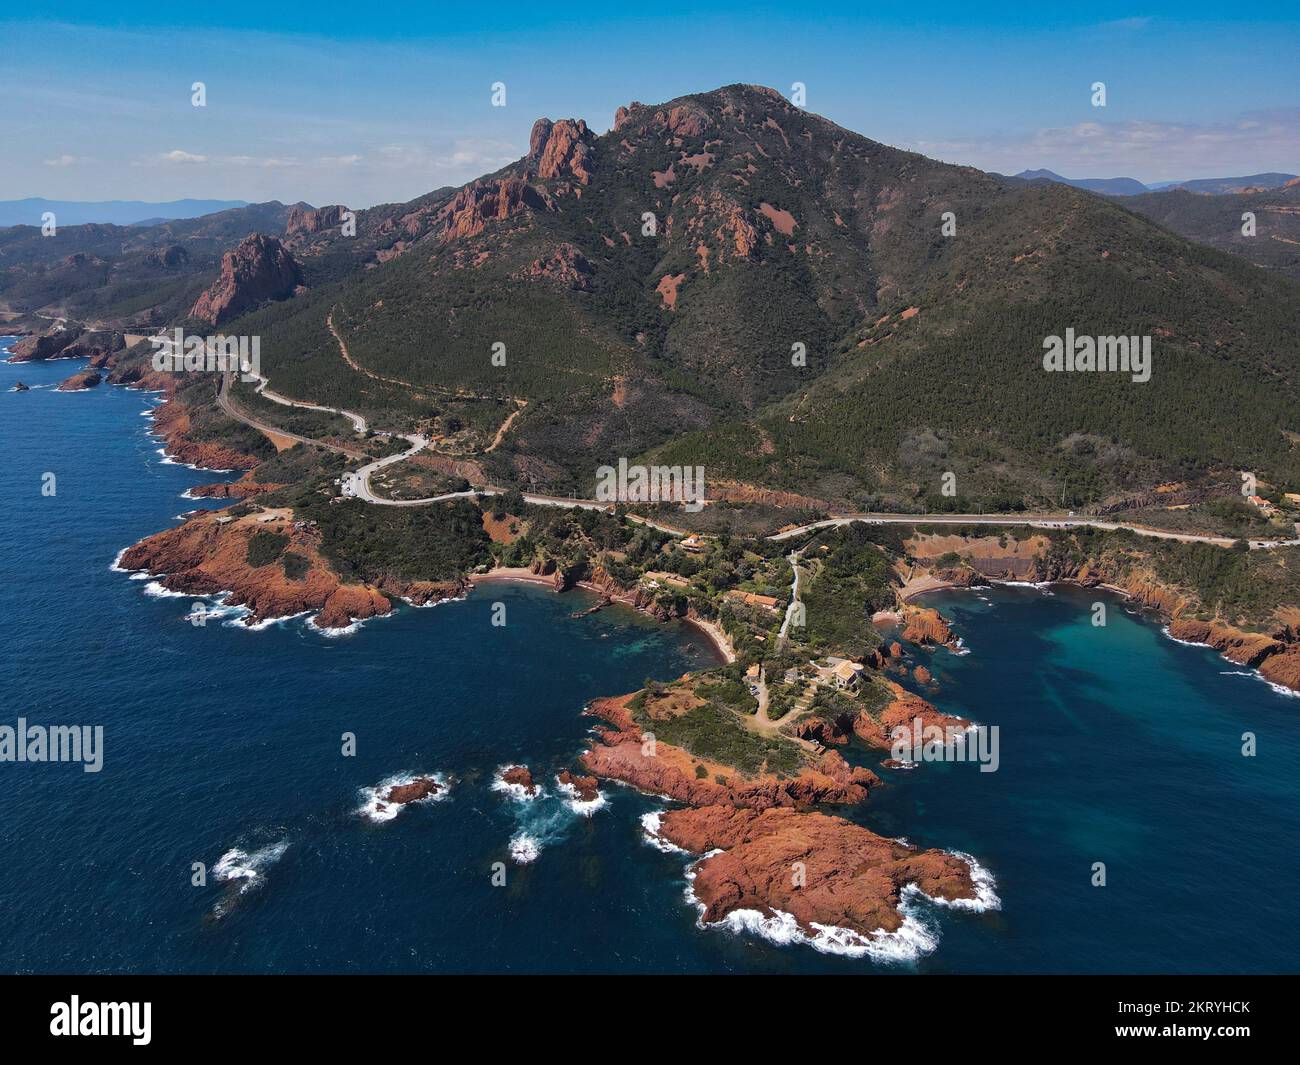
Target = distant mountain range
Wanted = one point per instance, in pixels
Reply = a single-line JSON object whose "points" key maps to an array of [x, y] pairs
{"points": [[117, 212], [1126, 186]]}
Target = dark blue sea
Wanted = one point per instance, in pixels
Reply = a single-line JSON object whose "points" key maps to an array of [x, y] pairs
{"points": [[222, 747]]}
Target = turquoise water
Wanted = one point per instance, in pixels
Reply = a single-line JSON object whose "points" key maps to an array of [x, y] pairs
{"points": [[222, 746]]}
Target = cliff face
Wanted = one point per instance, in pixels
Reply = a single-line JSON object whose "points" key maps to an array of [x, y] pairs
{"points": [[473, 207], [560, 149], [171, 421], [49, 346], [309, 220], [209, 554], [258, 269]]}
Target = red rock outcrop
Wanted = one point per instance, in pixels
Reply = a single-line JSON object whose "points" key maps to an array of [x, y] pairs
{"points": [[619, 754], [922, 675], [925, 626], [258, 269], [468, 212], [420, 788], [349, 603], [171, 421], [820, 869], [1283, 668], [309, 220], [586, 788], [80, 382], [244, 488], [900, 712], [566, 265], [520, 776], [47, 346], [557, 149], [1243, 648]]}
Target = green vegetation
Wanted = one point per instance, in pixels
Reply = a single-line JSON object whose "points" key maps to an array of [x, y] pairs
{"points": [[265, 547], [296, 565], [714, 733], [370, 544]]}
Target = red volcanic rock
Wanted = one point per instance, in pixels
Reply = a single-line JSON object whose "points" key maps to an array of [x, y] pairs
{"points": [[1283, 669], [895, 650], [171, 421], [566, 265], [209, 554], [258, 269], [922, 675], [79, 382], [521, 777], [49, 346], [99, 348], [1243, 648], [244, 488], [307, 220], [560, 148], [468, 212], [926, 626], [820, 869], [900, 712], [619, 754], [420, 788], [584, 787], [348, 603]]}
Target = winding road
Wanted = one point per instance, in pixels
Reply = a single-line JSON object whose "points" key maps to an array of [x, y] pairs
{"points": [[357, 484]]}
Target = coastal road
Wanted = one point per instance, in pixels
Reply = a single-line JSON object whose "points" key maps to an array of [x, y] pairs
{"points": [[1037, 521], [358, 484]]}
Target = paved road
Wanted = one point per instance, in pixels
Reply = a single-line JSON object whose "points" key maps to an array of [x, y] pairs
{"points": [[1037, 521], [358, 484]]}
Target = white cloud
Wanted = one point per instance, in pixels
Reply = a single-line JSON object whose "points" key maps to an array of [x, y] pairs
{"points": [[178, 156], [64, 160], [1146, 150]]}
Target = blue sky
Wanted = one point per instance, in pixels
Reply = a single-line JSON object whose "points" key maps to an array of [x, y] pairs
{"points": [[370, 103]]}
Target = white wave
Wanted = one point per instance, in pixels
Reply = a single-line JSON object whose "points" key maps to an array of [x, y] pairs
{"points": [[333, 633], [245, 868], [650, 824], [435, 602], [524, 848], [167, 460], [986, 896], [1281, 689], [911, 940], [516, 791], [1185, 643], [265, 623], [377, 809], [577, 805], [157, 591], [116, 564]]}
